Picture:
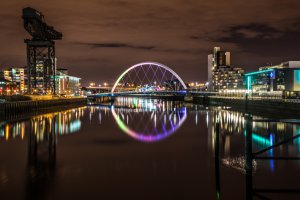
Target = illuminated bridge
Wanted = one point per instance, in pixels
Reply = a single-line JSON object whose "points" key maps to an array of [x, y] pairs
{"points": [[147, 78]]}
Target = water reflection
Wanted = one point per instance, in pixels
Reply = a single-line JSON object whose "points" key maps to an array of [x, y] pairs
{"points": [[41, 155], [61, 123], [265, 132], [148, 120], [258, 147], [151, 120], [227, 138]]}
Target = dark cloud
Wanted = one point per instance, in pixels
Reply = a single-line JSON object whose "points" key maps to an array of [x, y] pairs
{"points": [[254, 31], [264, 40], [194, 37], [117, 45]]}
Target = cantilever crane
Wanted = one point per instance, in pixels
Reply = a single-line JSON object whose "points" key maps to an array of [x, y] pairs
{"points": [[40, 52], [35, 25]]}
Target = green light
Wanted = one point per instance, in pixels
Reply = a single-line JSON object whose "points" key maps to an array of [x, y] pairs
{"points": [[135, 102], [259, 139], [259, 72], [297, 74], [218, 195], [249, 84], [121, 125]]}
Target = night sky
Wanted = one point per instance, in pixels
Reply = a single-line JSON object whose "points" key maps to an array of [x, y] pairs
{"points": [[103, 38]]}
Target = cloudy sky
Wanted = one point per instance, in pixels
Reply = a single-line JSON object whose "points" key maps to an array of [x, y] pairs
{"points": [[101, 38]]}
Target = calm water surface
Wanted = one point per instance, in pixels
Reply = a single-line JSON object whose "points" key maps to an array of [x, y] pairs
{"points": [[146, 149]]}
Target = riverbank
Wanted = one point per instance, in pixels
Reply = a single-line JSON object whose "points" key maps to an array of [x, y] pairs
{"points": [[17, 109], [289, 108]]}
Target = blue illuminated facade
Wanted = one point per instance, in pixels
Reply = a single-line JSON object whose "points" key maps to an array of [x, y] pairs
{"points": [[274, 79]]}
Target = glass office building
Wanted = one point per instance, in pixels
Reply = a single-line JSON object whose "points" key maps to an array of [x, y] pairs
{"points": [[282, 79]]}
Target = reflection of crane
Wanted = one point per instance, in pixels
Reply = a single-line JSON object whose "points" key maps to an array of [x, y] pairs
{"points": [[40, 52]]}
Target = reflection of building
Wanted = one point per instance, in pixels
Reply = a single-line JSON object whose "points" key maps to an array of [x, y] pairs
{"points": [[66, 84], [62, 123], [16, 77], [264, 133], [221, 75], [283, 77]]}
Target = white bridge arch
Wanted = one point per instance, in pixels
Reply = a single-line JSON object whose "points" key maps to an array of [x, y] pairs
{"points": [[150, 65]]}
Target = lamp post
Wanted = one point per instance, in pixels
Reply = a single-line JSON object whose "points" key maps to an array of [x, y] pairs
{"points": [[175, 85]]}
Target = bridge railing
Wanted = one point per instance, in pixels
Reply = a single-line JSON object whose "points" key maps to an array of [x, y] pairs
{"points": [[138, 93]]}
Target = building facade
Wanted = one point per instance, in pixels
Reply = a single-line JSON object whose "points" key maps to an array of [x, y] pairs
{"points": [[67, 85], [4, 86], [16, 77], [282, 79], [221, 75]]}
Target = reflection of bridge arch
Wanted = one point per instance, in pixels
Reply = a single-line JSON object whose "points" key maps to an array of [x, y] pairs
{"points": [[160, 72], [158, 119]]}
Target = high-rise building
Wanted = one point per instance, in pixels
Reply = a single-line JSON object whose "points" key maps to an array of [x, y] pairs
{"points": [[220, 58], [221, 75], [209, 71]]}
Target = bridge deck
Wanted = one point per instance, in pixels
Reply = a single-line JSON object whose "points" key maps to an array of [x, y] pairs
{"points": [[141, 94]]}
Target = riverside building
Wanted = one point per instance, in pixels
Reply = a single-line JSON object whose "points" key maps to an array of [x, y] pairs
{"points": [[67, 85], [16, 76], [221, 75], [282, 80]]}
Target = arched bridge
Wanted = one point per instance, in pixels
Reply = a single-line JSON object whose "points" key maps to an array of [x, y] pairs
{"points": [[147, 78]]}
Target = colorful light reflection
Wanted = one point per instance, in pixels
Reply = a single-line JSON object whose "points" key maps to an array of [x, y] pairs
{"points": [[154, 137]]}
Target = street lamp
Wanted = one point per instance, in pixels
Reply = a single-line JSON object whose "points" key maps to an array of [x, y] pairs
{"points": [[175, 85]]}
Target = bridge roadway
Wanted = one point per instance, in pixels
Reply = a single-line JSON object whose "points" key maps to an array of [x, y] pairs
{"points": [[180, 95], [130, 93], [109, 97], [157, 93]]}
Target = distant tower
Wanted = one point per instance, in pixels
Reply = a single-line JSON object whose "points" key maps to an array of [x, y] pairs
{"points": [[227, 55], [220, 58], [210, 71], [40, 52], [220, 73]]}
